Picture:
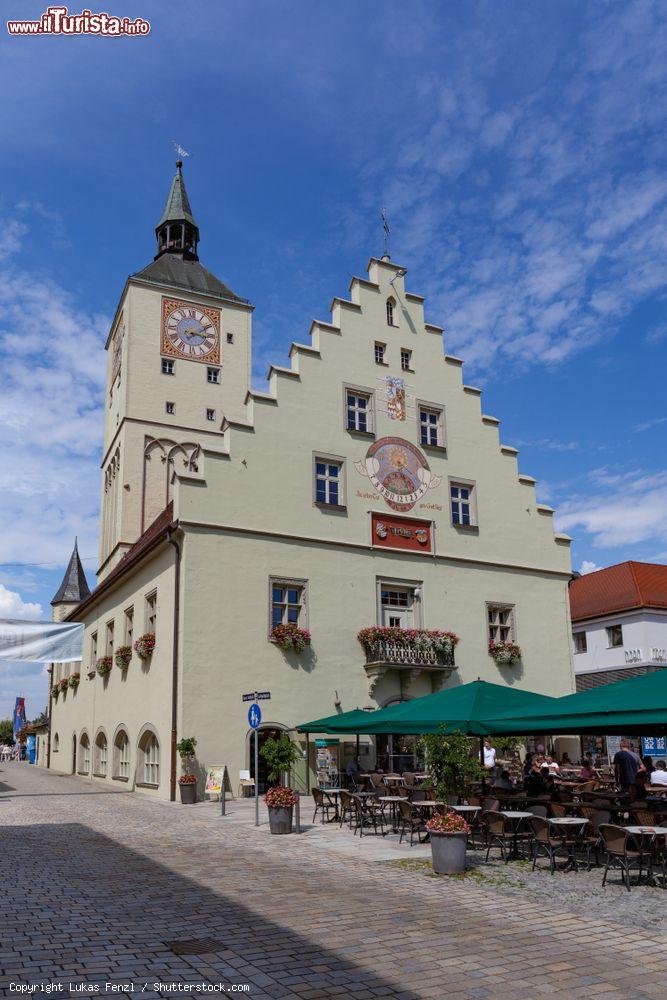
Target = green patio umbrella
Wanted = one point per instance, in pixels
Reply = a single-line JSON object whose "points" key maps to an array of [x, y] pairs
{"points": [[344, 722], [635, 706], [466, 707]]}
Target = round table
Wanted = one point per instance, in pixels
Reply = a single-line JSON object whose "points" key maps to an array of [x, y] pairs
{"points": [[572, 823], [516, 818]]}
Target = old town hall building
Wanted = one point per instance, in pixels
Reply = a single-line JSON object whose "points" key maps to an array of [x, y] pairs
{"points": [[365, 486]]}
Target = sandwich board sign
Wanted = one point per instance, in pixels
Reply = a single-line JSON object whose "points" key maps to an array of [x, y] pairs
{"points": [[216, 777]]}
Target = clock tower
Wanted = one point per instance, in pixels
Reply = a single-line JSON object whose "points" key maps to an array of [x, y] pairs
{"points": [[178, 362]]}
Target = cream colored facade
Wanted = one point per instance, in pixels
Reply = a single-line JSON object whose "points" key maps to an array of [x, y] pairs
{"points": [[245, 518]]}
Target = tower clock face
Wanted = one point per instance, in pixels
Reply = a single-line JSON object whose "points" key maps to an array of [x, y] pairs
{"points": [[190, 331]]}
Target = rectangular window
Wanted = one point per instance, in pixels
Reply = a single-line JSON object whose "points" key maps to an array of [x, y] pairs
{"points": [[152, 762], [129, 625], [500, 619], [167, 367], [230, 338], [398, 604], [379, 353], [359, 412], [169, 407], [151, 612], [210, 414], [461, 498], [124, 757], [615, 635], [93, 649], [102, 758], [109, 646], [406, 360], [579, 640], [288, 602], [213, 376], [328, 480], [431, 426]]}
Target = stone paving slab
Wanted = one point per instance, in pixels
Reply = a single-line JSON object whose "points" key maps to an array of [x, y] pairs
{"points": [[96, 885]]}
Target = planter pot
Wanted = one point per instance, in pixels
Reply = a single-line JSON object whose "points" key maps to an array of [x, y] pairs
{"points": [[448, 851], [280, 819], [188, 793]]}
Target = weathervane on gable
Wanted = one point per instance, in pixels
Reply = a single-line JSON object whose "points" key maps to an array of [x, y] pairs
{"points": [[179, 149], [385, 228]]}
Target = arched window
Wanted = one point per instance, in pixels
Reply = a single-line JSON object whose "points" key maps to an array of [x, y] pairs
{"points": [[100, 759], [121, 748], [56, 743], [149, 758], [176, 235], [84, 754], [390, 312]]}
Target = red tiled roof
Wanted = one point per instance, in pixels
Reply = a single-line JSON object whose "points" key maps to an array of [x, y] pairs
{"points": [[622, 587], [160, 526]]}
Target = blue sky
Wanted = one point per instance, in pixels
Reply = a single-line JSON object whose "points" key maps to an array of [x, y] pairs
{"points": [[519, 150]]}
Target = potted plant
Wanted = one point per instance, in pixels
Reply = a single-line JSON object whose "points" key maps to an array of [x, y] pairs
{"points": [[187, 783], [74, 681], [449, 839], [291, 637], [506, 654], [64, 684], [122, 656], [55, 691], [280, 802], [145, 645], [280, 755], [104, 665]]}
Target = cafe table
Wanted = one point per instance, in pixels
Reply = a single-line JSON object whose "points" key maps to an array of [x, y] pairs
{"points": [[648, 835], [515, 818], [571, 829]]}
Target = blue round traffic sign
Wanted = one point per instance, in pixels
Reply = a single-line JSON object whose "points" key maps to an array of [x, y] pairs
{"points": [[254, 716]]}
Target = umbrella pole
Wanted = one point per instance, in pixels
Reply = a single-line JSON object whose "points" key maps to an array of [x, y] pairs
{"points": [[481, 762]]}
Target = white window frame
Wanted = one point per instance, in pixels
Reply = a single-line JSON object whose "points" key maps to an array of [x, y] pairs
{"points": [[393, 584], [289, 583], [128, 625], [379, 351], [122, 751], [84, 754], [322, 458], [500, 636], [406, 356], [109, 638], [577, 636], [210, 414], [369, 396], [609, 629], [213, 376], [101, 756], [439, 412], [467, 484], [168, 366], [150, 758], [150, 612], [390, 309], [170, 408], [93, 650]]}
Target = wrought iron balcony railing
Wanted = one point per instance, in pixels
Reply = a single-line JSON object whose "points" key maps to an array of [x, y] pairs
{"points": [[397, 655]]}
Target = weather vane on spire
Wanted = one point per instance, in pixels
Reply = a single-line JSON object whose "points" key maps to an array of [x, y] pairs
{"points": [[385, 228], [179, 149]]}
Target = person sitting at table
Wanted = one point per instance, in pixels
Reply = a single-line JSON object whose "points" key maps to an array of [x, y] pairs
{"points": [[659, 775], [565, 760], [527, 764], [540, 784], [504, 782], [551, 764], [587, 772], [648, 765]]}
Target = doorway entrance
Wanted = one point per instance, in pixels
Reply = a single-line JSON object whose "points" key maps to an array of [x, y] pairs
{"points": [[264, 733], [74, 754], [397, 605]]}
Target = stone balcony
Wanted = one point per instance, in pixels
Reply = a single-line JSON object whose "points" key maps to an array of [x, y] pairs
{"points": [[384, 656]]}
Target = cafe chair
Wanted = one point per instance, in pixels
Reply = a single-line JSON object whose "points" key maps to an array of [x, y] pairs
{"points": [[545, 842], [324, 806], [410, 819], [245, 781], [622, 852]]}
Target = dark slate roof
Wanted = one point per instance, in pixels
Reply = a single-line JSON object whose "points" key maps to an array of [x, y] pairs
{"points": [[177, 208], [172, 269], [74, 587]]}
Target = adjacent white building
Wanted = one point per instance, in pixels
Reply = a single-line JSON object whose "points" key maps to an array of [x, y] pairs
{"points": [[619, 622]]}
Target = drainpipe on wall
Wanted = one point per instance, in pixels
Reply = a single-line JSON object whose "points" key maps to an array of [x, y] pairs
{"points": [[49, 673], [174, 673]]}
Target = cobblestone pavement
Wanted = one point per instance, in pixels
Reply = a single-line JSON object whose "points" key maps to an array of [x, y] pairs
{"points": [[107, 887]]}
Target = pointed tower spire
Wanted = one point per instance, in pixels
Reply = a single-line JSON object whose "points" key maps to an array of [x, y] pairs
{"points": [[177, 232], [74, 587]]}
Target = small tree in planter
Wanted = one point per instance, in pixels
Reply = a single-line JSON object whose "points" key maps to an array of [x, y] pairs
{"points": [[145, 645], [280, 755], [104, 665], [187, 782], [449, 839], [451, 761], [122, 656], [74, 681], [506, 654], [291, 637]]}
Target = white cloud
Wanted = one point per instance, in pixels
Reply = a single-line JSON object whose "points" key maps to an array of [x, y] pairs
{"points": [[13, 606], [588, 567], [625, 509], [649, 424]]}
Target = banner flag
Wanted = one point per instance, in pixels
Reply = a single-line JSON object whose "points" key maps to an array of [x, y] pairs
{"points": [[19, 716], [40, 642]]}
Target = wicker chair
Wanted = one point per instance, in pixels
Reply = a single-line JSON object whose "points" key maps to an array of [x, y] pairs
{"points": [[538, 810], [367, 813], [545, 842], [622, 851], [498, 833], [558, 809], [410, 819], [591, 842], [324, 805], [346, 808], [489, 804], [643, 816]]}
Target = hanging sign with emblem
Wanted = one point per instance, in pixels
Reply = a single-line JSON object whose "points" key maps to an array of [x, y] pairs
{"points": [[401, 533], [398, 471]]}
